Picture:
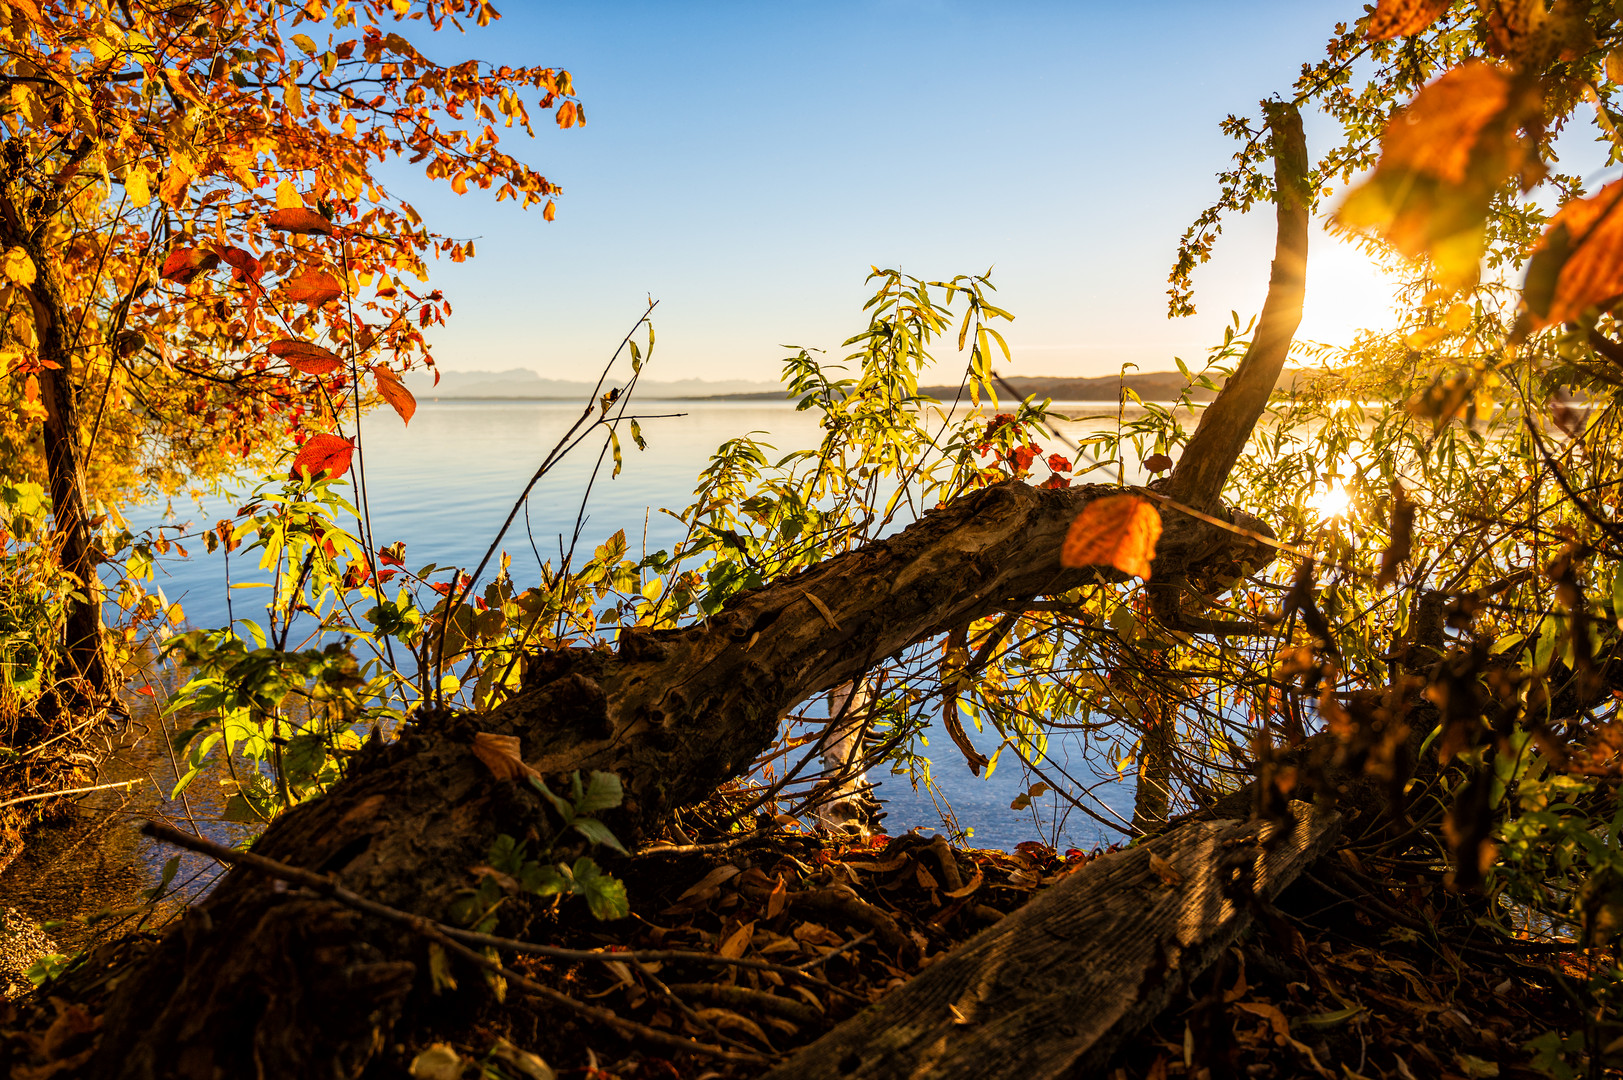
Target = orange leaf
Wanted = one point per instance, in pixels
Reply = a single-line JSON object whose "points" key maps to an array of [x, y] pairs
{"points": [[304, 357], [313, 287], [550, 211], [298, 219], [244, 267], [1117, 530], [500, 753], [1444, 157], [323, 453], [185, 263], [1579, 262], [1158, 463], [395, 393], [1395, 18]]}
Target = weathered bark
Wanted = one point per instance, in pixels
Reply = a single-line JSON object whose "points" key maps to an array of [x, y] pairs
{"points": [[1054, 988], [75, 548], [260, 981], [1226, 425]]}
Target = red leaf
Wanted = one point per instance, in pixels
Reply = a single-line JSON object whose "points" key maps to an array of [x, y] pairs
{"points": [[147, 690], [297, 219], [395, 393], [244, 267], [184, 264], [323, 453], [1157, 463], [304, 357], [313, 287]]}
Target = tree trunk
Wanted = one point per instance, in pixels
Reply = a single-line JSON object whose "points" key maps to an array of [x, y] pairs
{"points": [[85, 664], [1053, 989], [262, 981], [1226, 425]]}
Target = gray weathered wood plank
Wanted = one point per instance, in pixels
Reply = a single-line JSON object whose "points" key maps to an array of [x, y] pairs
{"points": [[1055, 987]]}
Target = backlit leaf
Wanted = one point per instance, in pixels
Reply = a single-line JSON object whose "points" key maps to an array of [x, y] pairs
{"points": [[304, 357], [395, 393], [1579, 262], [1443, 158], [19, 267], [324, 453], [297, 219], [185, 263], [244, 267], [1396, 18], [312, 287], [1117, 530]]}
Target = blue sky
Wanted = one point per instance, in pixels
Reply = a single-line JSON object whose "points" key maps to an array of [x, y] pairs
{"points": [[744, 163]]}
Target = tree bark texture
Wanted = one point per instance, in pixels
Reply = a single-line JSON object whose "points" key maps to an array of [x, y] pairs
{"points": [[64, 466], [1053, 989], [1226, 425], [262, 981]]}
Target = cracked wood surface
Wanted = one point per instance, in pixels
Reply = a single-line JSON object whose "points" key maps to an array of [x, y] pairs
{"points": [[1055, 987]]}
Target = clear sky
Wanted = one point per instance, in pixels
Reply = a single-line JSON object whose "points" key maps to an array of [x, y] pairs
{"points": [[745, 162]]}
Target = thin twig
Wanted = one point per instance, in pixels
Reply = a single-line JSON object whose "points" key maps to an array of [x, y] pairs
{"points": [[70, 791], [454, 937]]}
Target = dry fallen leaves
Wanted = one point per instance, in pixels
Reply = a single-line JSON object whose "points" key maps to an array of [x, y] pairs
{"points": [[501, 755], [1117, 530]]}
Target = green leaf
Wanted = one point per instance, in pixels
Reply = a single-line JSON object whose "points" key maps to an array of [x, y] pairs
{"points": [[598, 833], [605, 895], [603, 791], [563, 806], [169, 870]]}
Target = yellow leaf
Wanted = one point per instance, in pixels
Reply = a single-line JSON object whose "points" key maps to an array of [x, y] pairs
{"points": [[138, 185], [1117, 530], [288, 197], [19, 267], [1458, 317]]}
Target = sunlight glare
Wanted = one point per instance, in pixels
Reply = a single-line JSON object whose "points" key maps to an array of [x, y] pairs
{"points": [[1330, 502]]}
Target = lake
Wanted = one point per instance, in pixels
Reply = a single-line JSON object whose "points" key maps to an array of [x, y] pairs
{"points": [[444, 485]]}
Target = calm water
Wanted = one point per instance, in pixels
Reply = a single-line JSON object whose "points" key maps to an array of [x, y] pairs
{"points": [[444, 486]]}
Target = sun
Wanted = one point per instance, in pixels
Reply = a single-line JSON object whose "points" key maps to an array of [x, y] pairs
{"points": [[1330, 502]]}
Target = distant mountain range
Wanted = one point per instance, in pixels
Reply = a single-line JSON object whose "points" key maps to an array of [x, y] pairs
{"points": [[524, 383]]}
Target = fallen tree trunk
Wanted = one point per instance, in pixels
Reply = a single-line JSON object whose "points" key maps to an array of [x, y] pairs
{"points": [[1054, 988], [259, 981]]}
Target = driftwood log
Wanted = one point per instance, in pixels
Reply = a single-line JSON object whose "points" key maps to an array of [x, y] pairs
{"points": [[260, 981], [1054, 988]]}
